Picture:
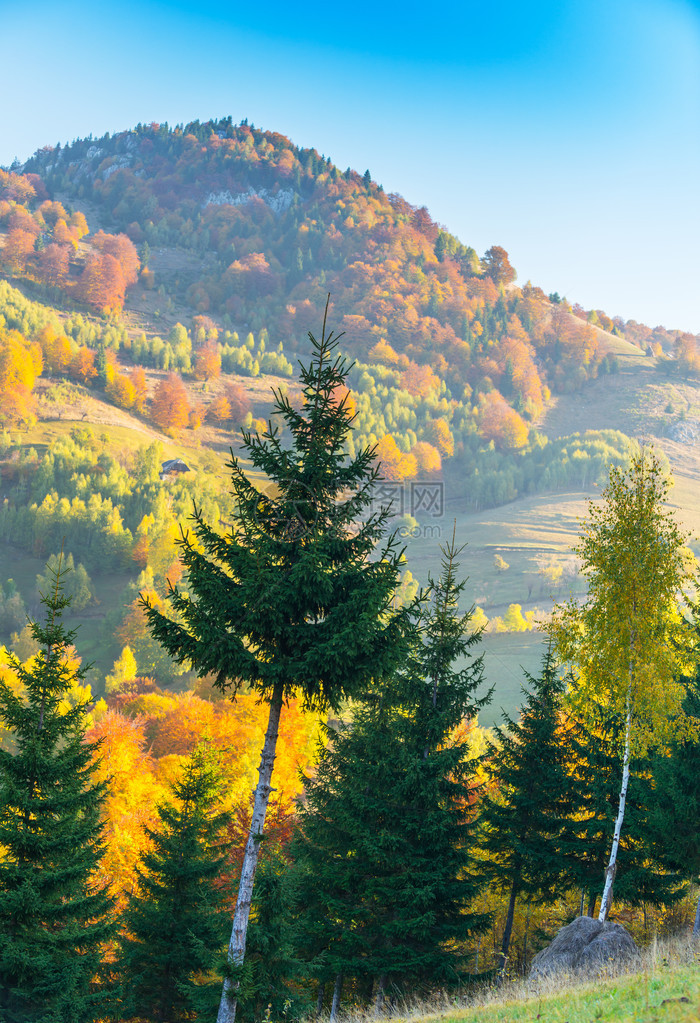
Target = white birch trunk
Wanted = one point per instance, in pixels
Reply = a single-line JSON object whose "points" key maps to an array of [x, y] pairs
{"points": [[696, 925], [612, 865], [236, 948]]}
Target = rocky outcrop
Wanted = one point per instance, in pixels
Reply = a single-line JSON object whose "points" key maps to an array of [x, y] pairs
{"points": [[586, 947]]}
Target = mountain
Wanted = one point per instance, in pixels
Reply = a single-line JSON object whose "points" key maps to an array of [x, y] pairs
{"points": [[160, 279]]}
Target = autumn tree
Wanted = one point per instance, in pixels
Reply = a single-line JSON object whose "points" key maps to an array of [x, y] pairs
{"points": [[170, 407], [121, 248], [496, 265], [20, 365], [19, 244], [628, 642], [207, 363], [82, 365], [53, 265], [501, 423], [102, 283], [294, 599]]}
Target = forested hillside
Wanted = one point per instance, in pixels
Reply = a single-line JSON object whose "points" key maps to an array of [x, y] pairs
{"points": [[158, 288]]}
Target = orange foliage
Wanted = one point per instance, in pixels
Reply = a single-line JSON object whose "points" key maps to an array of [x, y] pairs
{"points": [[62, 235], [219, 409], [82, 366], [343, 395], [22, 220], [78, 224], [19, 244], [15, 187], [239, 401], [170, 409], [500, 423], [420, 381], [138, 379], [438, 433], [207, 363], [56, 350], [427, 457], [394, 465], [53, 265], [20, 365], [123, 250], [102, 283], [120, 389], [133, 790]]}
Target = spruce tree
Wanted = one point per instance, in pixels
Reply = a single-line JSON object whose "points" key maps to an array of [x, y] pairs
{"points": [[674, 805], [296, 599], [385, 839], [523, 821], [174, 925], [54, 915]]}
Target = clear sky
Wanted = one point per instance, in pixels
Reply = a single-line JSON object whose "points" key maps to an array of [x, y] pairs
{"points": [[566, 131]]}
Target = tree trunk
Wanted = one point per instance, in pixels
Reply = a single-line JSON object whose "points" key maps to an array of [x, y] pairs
{"points": [[592, 899], [696, 925], [379, 997], [509, 923], [337, 990], [236, 948], [606, 901], [319, 999]]}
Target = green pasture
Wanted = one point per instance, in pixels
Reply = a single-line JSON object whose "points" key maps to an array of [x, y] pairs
{"points": [[662, 995]]}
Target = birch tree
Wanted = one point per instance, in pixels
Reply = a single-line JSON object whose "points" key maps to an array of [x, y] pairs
{"points": [[628, 643], [296, 599]]}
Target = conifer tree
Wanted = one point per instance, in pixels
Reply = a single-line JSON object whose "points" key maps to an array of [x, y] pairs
{"points": [[54, 916], [674, 806], [175, 927], [385, 839], [523, 821], [296, 599]]}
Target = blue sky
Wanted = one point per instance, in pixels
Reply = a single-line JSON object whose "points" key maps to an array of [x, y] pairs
{"points": [[567, 132]]}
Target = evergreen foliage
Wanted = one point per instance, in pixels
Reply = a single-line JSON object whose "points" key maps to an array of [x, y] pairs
{"points": [[175, 928], [674, 804], [54, 916], [296, 600], [273, 982], [385, 841], [523, 821]]}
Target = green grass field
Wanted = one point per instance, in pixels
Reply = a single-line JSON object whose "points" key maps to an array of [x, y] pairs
{"points": [[671, 996]]}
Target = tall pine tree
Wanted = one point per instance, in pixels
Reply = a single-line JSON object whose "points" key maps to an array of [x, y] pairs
{"points": [[523, 821], [296, 599], [174, 926], [385, 839], [54, 916]]}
